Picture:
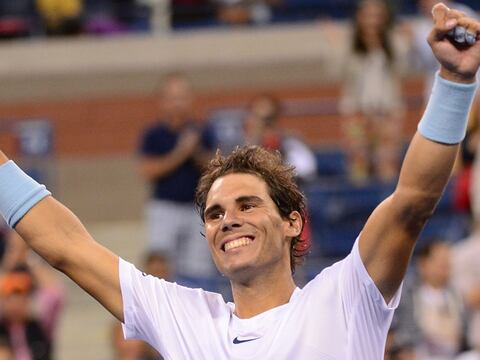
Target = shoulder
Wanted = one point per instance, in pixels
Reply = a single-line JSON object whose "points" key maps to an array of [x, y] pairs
{"points": [[327, 280], [142, 286]]}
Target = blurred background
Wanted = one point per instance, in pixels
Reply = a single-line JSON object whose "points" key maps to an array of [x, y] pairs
{"points": [[117, 105]]}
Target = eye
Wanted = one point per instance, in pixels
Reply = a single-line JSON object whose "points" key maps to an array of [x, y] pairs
{"points": [[214, 215], [247, 206]]}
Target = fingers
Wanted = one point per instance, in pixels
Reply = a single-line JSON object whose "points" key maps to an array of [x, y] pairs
{"points": [[455, 25], [444, 19], [461, 35], [470, 38], [439, 12], [469, 34]]}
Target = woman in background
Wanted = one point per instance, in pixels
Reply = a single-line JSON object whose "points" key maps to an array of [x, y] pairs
{"points": [[371, 101]]}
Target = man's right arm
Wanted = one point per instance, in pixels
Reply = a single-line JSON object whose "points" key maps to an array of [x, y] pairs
{"points": [[58, 236], [156, 167]]}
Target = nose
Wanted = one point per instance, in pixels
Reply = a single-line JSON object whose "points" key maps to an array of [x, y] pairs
{"points": [[231, 220]]}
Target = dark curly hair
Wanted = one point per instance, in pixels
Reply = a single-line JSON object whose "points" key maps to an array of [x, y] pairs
{"points": [[280, 180]]}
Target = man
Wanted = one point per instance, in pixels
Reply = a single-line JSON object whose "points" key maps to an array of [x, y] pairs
{"points": [[171, 157], [252, 225]]}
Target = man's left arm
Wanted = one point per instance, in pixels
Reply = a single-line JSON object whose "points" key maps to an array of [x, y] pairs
{"points": [[388, 238]]}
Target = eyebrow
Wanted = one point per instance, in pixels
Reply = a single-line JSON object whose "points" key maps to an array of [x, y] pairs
{"points": [[239, 200], [249, 198]]}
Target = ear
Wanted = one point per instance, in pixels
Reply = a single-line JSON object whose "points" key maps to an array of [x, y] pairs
{"points": [[293, 225]]}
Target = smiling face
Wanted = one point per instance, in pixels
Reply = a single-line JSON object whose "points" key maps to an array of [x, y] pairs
{"points": [[244, 229]]}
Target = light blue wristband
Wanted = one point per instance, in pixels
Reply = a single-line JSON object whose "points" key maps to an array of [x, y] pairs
{"points": [[18, 193], [446, 116]]}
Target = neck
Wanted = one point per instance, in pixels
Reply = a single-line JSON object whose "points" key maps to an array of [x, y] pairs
{"points": [[175, 121], [257, 296]]}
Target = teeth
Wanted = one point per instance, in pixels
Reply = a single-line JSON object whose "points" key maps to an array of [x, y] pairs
{"points": [[244, 241]]}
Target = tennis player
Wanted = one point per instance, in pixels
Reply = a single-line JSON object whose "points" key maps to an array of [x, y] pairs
{"points": [[254, 215]]}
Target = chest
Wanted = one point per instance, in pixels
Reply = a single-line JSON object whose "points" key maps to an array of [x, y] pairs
{"points": [[296, 332]]}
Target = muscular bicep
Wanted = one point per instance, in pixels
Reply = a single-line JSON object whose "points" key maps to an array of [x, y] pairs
{"points": [[57, 235], [387, 242], [96, 271], [389, 236]]}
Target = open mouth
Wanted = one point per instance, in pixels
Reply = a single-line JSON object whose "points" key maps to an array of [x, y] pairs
{"points": [[237, 243]]}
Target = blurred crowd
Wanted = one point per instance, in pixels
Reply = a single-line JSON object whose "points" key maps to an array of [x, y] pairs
{"points": [[31, 302], [439, 316], [25, 18]]}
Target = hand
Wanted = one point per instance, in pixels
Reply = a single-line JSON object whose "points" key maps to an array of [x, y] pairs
{"points": [[460, 60], [188, 142]]}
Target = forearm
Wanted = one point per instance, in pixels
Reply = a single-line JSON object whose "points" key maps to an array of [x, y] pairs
{"points": [[426, 168], [154, 168], [432, 153]]}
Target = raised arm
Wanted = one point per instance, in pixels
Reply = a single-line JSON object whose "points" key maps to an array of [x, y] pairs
{"points": [[57, 235], [387, 241]]}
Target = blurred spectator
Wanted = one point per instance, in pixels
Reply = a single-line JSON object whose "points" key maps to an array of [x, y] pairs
{"points": [[6, 351], [371, 100], [262, 128], [397, 350], [405, 333], [16, 18], [422, 57], [192, 12], [26, 333], [466, 269], [61, 17], [463, 179], [438, 307], [156, 264], [172, 154], [125, 349], [32, 300], [469, 355], [105, 17], [3, 239], [16, 251], [241, 12], [259, 125], [161, 14]]}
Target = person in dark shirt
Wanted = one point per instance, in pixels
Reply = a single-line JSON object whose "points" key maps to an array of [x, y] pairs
{"points": [[172, 154], [28, 336]]}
